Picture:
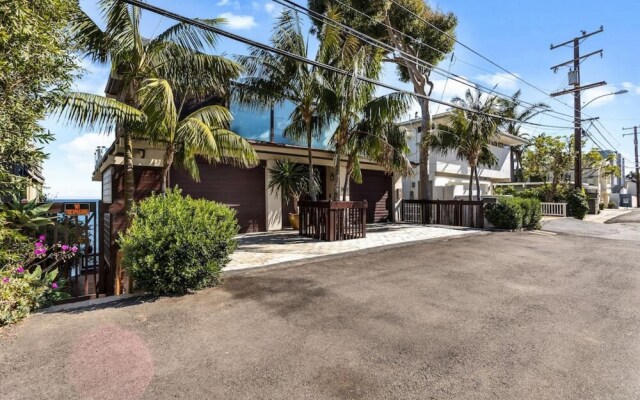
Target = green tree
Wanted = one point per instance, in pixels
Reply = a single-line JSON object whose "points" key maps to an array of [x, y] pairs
{"points": [[401, 25], [273, 79], [204, 132], [469, 134], [36, 69], [177, 55], [518, 113], [548, 157]]}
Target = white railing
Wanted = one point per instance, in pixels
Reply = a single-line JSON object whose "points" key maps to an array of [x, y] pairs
{"points": [[554, 209]]}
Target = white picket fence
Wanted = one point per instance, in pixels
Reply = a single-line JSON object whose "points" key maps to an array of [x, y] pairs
{"points": [[554, 209]]}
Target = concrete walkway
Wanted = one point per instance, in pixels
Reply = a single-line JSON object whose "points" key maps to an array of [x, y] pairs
{"points": [[270, 248]]}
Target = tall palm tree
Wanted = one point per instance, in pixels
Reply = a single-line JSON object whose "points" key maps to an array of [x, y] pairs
{"points": [[470, 133], [177, 55], [518, 113], [273, 79], [204, 132]]}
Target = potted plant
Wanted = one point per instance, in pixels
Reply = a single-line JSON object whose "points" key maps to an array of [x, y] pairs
{"points": [[292, 181]]}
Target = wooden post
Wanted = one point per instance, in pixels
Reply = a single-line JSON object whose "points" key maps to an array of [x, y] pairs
{"points": [[364, 219], [331, 225], [438, 212]]}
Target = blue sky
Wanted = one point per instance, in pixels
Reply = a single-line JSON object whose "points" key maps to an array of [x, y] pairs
{"points": [[514, 34]]}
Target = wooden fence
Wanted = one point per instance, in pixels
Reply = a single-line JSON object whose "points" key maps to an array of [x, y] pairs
{"points": [[333, 220], [443, 212], [554, 209]]}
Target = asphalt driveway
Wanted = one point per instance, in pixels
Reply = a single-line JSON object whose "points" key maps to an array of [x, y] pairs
{"points": [[504, 315]]}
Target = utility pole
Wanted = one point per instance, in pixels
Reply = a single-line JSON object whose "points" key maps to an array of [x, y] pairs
{"points": [[574, 79], [635, 144]]}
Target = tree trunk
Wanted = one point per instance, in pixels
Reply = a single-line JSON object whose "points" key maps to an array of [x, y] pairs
{"points": [[426, 191], [347, 178], [312, 188], [471, 183], [477, 184], [336, 174], [166, 166], [129, 180]]}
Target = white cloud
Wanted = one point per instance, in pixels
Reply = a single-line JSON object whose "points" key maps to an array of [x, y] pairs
{"points": [[631, 87], [501, 79], [68, 172], [594, 95], [272, 10], [240, 22], [222, 2]]}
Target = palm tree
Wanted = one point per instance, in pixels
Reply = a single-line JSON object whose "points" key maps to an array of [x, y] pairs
{"points": [[204, 132], [469, 133], [177, 55], [350, 98], [518, 113], [273, 79], [376, 137]]}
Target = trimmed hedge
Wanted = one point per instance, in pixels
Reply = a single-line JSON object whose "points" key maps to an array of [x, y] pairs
{"points": [[177, 244], [514, 213]]}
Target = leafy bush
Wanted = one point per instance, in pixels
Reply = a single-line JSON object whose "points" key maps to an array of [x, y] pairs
{"points": [[514, 213], [601, 206], [176, 244], [532, 213], [27, 286], [506, 213], [612, 204], [577, 203]]}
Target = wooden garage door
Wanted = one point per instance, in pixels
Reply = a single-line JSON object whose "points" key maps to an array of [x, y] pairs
{"points": [[239, 188], [376, 190]]}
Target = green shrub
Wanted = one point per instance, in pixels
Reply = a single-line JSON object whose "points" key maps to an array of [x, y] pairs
{"points": [[601, 206], [506, 213], [514, 213], [577, 203], [176, 244], [612, 204], [532, 213]]}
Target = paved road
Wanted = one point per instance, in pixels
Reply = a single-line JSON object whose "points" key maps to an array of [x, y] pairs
{"points": [[624, 227], [496, 316]]}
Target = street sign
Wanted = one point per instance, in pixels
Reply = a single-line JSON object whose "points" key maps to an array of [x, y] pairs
{"points": [[77, 208]]}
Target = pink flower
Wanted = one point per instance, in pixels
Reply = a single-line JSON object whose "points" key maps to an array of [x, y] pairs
{"points": [[39, 251], [19, 270], [65, 247], [42, 238], [38, 244], [6, 280], [54, 285], [74, 249]]}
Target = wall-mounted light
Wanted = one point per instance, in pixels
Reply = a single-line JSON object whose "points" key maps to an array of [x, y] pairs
{"points": [[332, 177]]}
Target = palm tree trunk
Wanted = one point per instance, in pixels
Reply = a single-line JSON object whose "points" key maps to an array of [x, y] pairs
{"points": [[312, 188], [347, 179], [129, 180], [425, 185], [471, 183], [166, 166], [336, 175], [477, 184]]}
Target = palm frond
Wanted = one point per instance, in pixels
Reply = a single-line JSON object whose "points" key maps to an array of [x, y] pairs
{"points": [[158, 104], [189, 37], [91, 40], [96, 113], [212, 116]]}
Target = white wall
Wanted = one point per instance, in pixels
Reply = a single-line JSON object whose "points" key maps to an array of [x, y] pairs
{"points": [[273, 201]]}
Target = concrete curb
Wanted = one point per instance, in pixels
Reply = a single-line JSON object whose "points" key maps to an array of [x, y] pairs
{"points": [[337, 256], [89, 303]]}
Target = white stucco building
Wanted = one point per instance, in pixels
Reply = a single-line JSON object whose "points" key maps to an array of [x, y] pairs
{"points": [[450, 176]]}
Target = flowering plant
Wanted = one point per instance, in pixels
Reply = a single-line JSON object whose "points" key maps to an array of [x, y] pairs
{"points": [[34, 282]]}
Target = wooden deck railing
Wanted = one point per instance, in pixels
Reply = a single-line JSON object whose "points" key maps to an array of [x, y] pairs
{"points": [[333, 220], [443, 212], [554, 209]]}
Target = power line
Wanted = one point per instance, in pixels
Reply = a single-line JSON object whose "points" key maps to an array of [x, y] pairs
{"points": [[480, 55], [384, 46], [253, 43]]}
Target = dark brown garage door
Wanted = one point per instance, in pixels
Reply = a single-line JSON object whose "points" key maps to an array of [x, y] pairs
{"points": [[376, 190], [239, 188]]}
